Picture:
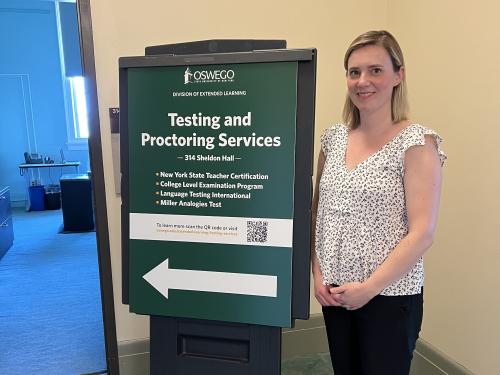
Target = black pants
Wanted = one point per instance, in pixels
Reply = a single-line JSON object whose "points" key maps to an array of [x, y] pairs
{"points": [[377, 339]]}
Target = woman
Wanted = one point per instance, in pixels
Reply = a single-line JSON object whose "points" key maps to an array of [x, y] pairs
{"points": [[375, 211]]}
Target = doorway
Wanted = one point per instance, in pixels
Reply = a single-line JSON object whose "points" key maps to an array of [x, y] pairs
{"points": [[72, 260]]}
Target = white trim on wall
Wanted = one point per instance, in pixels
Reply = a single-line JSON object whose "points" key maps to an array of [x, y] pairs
{"points": [[25, 82]]}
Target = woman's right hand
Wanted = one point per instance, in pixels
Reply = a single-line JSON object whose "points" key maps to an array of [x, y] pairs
{"points": [[322, 293]]}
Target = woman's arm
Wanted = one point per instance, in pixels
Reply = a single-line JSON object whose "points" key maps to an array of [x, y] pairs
{"points": [[321, 291], [422, 183]]}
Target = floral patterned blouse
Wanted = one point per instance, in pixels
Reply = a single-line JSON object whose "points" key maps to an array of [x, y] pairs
{"points": [[362, 212]]}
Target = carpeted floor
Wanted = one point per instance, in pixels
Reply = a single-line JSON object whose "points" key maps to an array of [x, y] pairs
{"points": [[50, 309]]}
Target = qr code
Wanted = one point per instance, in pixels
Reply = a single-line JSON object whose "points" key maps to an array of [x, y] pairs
{"points": [[256, 231]]}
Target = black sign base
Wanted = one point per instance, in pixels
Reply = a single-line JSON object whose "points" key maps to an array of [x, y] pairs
{"points": [[181, 346]]}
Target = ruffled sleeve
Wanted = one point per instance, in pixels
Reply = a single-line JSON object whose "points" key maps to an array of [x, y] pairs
{"points": [[416, 136], [327, 139]]}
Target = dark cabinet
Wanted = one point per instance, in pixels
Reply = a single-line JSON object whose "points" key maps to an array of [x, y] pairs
{"points": [[76, 198], [6, 230]]}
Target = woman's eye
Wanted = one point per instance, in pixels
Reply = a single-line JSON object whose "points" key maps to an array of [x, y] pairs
{"points": [[376, 71], [353, 73]]}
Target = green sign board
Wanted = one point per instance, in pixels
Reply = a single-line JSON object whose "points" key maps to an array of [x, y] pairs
{"points": [[211, 175]]}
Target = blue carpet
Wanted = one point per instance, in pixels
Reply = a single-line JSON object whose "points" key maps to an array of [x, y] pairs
{"points": [[50, 309]]}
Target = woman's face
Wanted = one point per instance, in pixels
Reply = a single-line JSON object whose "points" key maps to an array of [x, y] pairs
{"points": [[371, 78]]}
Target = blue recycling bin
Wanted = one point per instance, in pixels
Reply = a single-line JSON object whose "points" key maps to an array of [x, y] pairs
{"points": [[37, 198]]}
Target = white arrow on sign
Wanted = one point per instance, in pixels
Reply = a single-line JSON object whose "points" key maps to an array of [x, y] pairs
{"points": [[163, 278]]}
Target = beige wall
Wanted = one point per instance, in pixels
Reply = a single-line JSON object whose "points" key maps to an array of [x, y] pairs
{"points": [[124, 28], [453, 67], [453, 64]]}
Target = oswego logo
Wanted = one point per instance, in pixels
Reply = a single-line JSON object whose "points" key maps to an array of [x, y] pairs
{"points": [[205, 76], [187, 76]]}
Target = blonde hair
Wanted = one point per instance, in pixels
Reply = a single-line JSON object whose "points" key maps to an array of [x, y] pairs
{"points": [[399, 101]]}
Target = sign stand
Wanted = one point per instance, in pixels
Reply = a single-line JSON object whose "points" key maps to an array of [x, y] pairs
{"points": [[216, 162], [189, 346]]}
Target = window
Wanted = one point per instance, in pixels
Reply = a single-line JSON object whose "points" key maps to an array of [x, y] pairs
{"points": [[79, 107], [77, 122]]}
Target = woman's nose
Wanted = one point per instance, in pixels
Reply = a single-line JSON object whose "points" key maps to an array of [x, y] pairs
{"points": [[363, 79]]}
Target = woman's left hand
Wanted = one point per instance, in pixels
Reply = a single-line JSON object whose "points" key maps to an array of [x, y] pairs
{"points": [[352, 296]]}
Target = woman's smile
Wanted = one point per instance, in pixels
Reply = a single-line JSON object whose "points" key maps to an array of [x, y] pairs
{"points": [[365, 94]]}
